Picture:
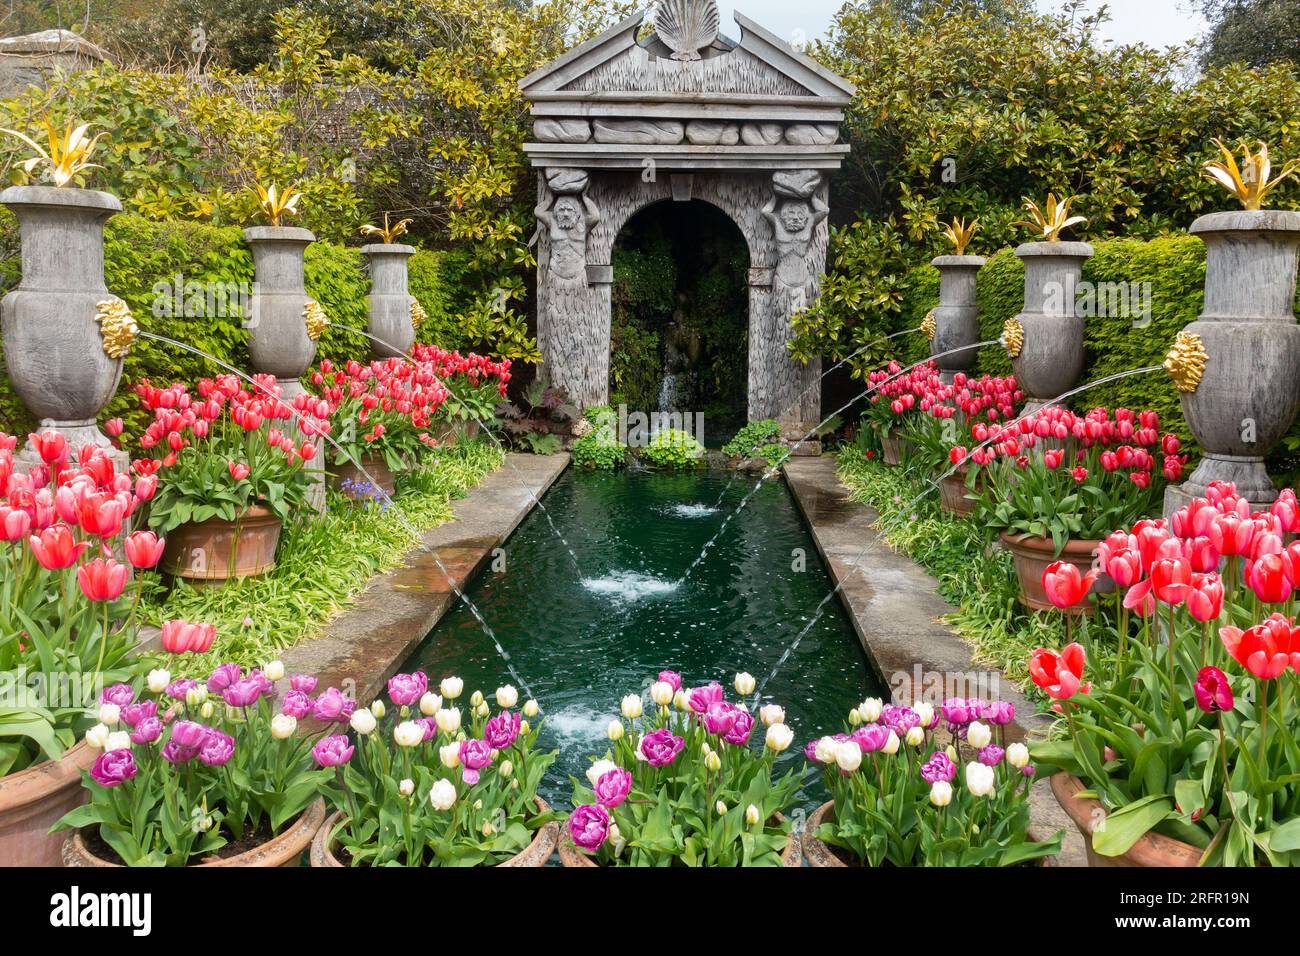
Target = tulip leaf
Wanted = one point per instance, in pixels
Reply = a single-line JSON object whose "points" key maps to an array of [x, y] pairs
{"points": [[1123, 828], [1285, 838], [1189, 797]]}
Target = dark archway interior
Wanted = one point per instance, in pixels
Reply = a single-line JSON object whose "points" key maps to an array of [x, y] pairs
{"points": [[680, 323]]}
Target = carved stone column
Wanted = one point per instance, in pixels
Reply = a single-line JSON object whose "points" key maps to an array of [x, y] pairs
{"points": [[956, 318]]}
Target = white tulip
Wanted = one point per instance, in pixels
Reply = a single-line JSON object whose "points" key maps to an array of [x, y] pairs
{"points": [[406, 787], [207, 710], [506, 769], [855, 717], [451, 687], [631, 707], [779, 737], [524, 729], [507, 697], [979, 735], [531, 709], [599, 769], [721, 808], [158, 681], [771, 714], [705, 749], [952, 754], [745, 684], [713, 762], [616, 841], [848, 755], [871, 709], [448, 719], [751, 815], [283, 726], [378, 708], [476, 698], [110, 714], [891, 745], [363, 722], [97, 736], [274, 670], [408, 734], [825, 750], [118, 740], [1018, 756], [195, 696], [915, 737], [449, 755], [925, 712], [941, 793], [615, 730], [443, 795], [979, 779], [430, 703], [482, 709], [682, 700], [661, 692]]}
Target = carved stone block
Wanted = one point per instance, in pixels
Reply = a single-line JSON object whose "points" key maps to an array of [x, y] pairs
{"points": [[797, 184], [639, 132], [812, 134], [712, 133], [562, 131], [762, 134], [567, 181]]}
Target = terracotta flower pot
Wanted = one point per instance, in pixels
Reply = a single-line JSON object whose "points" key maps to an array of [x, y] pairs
{"points": [[33, 800], [952, 495], [284, 850], [217, 550], [1034, 555], [571, 856], [536, 854], [1153, 849], [893, 447], [819, 854], [373, 470]]}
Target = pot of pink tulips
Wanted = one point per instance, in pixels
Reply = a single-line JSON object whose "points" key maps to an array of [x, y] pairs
{"points": [[688, 780], [203, 773], [424, 783], [900, 799], [67, 625], [1175, 744]]}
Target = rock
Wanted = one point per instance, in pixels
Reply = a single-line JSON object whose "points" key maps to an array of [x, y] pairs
{"points": [[762, 134], [562, 131], [810, 134], [797, 183], [639, 132], [711, 133], [570, 181]]}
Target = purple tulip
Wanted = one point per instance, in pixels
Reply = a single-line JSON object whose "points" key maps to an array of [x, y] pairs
{"points": [[899, 719], [738, 736], [810, 750], [119, 694], [474, 756], [871, 737], [243, 693], [332, 751], [703, 698], [176, 754], [589, 827], [502, 730], [132, 714], [939, 768], [1028, 770], [303, 683], [146, 730], [720, 718], [672, 679], [991, 755], [330, 706], [297, 704], [407, 689], [265, 683], [114, 768], [223, 677], [177, 689], [661, 747], [613, 787], [999, 712], [960, 711], [217, 749], [188, 734]]}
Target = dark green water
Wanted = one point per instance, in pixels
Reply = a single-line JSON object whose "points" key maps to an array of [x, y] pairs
{"points": [[583, 640]]}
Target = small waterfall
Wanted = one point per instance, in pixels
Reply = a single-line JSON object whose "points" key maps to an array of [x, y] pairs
{"points": [[668, 397]]}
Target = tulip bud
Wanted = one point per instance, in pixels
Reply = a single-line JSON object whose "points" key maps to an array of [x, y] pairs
{"points": [[109, 714], [751, 815], [745, 684], [208, 709], [1018, 755], [430, 703], [891, 744], [449, 756], [681, 701], [915, 737], [615, 730], [848, 756], [855, 718], [524, 728], [771, 714], [952, 753], [158, 681], [506, 769], [631, 707], [274, 671], [408, 734], [117, 740], [482, 709], [476, 698], [487, 829], [941, 793], [507, 697], [531, 709], [97, 736], [406, 787], [363, 722], [871, 709], [283, 726], [195, 696], [979, 735], [448, 720], [713, 762], [661, 692], [451, 687], [705, 749], [378, 708], [779, 737], [443, 795], [721, 808]]}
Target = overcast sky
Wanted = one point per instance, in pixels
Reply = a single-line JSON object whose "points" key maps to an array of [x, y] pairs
{"points": [[1156, 22]]}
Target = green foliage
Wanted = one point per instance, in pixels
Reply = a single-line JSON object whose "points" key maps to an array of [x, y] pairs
{"points": [[1254, 32], [599, 450], [752, 436], [672, 448]]}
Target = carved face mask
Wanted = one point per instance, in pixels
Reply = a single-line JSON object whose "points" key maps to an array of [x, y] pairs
{"points": [[566, 213], [794, 216]]}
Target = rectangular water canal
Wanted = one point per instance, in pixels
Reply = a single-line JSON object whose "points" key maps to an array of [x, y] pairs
{"points": [[587, 624]]}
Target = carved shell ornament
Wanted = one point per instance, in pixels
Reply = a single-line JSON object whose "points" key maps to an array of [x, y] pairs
{"points": [[1186, 362], [418, 315], [316, 319], [1013, 338], [117, 327], [930, 327], [687, 26]]}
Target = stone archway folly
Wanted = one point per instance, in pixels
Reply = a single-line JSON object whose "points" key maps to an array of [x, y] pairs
{"points": [[750, 127]]}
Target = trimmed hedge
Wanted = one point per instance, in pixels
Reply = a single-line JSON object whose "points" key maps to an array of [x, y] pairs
{"points": [[142, 258]]}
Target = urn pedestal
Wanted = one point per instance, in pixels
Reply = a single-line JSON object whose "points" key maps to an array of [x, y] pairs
{"points": [[1052, 356], [956, 318], [278, 341], [54, 350], [390, 300], [1249, 394]]}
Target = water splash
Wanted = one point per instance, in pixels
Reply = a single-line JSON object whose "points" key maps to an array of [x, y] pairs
{"points": [[691, 511], [627, 587]]}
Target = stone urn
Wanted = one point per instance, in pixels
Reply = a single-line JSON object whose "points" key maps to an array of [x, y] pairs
{"points": [[55, 346], [389, 300], [1249, 394], [956, 319], [1051, 356]]}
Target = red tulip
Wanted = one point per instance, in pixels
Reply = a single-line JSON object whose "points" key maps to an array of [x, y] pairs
{"points": [[1266, 650], [144, 549], [1213, 694], [101, 515], [56, 549], [15, 524], [103, 579], [1171, 579], [1125, 567], [238, 470], [114, 427], [1232, 535], [1205, 599], [1139, 598], [1065, 586], [146, 486], [1058, 674], [1200, 552], [1287, 511], [180, 637], [1271, 578], [1151, 536], [51, 446]]}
